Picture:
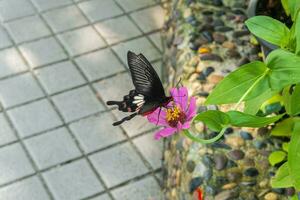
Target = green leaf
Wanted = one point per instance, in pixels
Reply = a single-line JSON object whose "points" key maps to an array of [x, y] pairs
{"points": [[269, 29], [294, 156], [240, 119], [285, 146], [253, 105], [295, 197], [294, 6], [276, 157], [283, 178], [284, 69], [285, 5], [291, 101], [236, 84], [283, 128], [296, 35], [214, 119]]}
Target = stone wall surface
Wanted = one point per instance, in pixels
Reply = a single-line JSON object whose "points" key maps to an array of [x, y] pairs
{"points": [[205, 40]]}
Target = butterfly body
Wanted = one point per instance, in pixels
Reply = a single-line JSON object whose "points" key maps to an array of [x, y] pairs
{"points": [[148, 94]]}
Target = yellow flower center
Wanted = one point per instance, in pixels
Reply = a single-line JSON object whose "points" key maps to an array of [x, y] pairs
{"points": [[175, 115]]}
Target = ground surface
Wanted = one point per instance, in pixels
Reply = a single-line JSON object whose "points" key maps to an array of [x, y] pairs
{"points": [[60, 60]]}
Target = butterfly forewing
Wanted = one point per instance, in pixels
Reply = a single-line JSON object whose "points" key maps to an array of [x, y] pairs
{"points": [[145, 79]]}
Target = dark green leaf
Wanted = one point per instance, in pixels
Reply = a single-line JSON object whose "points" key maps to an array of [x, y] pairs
{"points": [[269, 29], [296, 35], [284, 69], [276, 157], [214, 119], [291, 101], [282, 178], [236, 84], [294, 156], [245, 120], [283, 128]]}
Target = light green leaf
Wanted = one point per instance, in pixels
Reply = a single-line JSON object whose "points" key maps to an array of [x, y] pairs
{"points": [[295, 197], [284, 69], [276, 157], [240, 119], [285, 146], [294, 6], [294, 156], [296, 35], [269, 29], [291, 101], [236, 84], [214, 119], [253, 105], [285, 5], [283, 178], [283, 128]]}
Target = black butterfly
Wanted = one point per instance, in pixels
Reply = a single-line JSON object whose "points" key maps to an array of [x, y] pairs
{"points": [[149, 93]]}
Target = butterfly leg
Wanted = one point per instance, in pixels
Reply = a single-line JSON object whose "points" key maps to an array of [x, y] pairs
{"points": [[158, 116], [129, 117]]}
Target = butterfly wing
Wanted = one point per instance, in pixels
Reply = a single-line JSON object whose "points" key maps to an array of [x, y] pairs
{"points": [[144, 77]]}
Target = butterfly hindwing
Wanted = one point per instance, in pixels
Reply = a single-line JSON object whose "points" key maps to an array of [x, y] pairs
{"points": [[144, 77]]}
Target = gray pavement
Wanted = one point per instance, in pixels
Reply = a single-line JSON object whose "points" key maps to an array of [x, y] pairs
{"points": [[60, 60]]}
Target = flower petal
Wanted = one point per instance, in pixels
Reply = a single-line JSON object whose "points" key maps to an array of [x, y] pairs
{"points": [[182, 97], [192, 109], [158, 118], [186, 125], [164, 133], [174, 92]]}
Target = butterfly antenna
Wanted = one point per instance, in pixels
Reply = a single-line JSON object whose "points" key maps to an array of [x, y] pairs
{"points": [[179, 82], [129, 117]]}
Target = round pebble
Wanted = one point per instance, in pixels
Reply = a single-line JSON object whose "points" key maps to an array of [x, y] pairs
{"points": [[231, 164], [223, 28], [229, 186], [190, 166], [290, 191], [211, 190], [207, 160], [234, 176], [208, 70], [235, 141], [236, 154], [271, 196], [259, 144], [211, 57], [228, 131], [195, 183], [246, 135], [262, 131], [251, 172], [219, 38], [207, 174], [220, 161]]}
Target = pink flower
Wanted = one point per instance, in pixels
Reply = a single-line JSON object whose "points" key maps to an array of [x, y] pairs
{"points": [[177, 116]]}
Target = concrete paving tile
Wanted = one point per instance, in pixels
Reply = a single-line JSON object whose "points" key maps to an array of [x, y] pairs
{"points": [[149, 19], [75, 180], [4, 39], [99, 9], [46, 4], [95, 132], [28, 28], [77, 103], [102, 197], [11, 62], [19, 89], [65, 18], [15, 8], [6, 133], [30, 188], [34, 117], [14, 163], [130, 5], [139, 45], [118, 164], [135, 126], [114, 88], [157, 40], [52, 148], [99, 64], [151, 149], [117, 29], [59, 77], [42, 52], [81, 40], [146, 188]]}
